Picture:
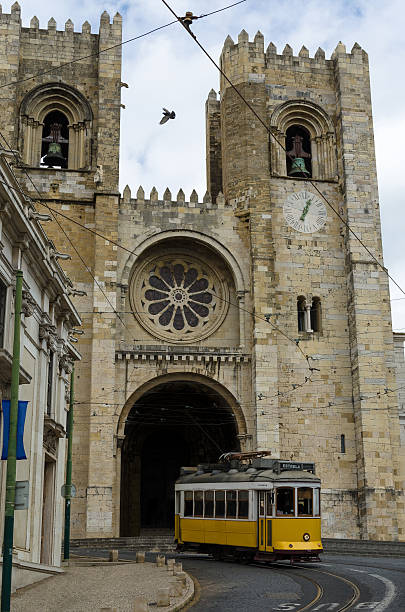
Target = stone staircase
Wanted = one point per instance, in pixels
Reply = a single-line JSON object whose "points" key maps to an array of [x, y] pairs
{"points": [[153, 540]]}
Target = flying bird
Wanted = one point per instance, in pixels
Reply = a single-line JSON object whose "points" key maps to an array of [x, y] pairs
{"points": [[166, 116]]}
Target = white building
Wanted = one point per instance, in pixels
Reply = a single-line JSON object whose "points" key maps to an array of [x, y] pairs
{"points": [[47, 355]]}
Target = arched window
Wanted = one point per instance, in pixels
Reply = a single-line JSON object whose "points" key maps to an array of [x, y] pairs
{"points": [[301, 303], [306, 132], [316, 318], [56, 114], [298, 152], [55, 140]]}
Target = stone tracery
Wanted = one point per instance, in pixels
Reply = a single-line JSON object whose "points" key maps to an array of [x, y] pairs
{"points": [[182, 297]]}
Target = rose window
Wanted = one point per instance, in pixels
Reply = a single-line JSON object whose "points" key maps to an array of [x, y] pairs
{"points": [[180, 299]]}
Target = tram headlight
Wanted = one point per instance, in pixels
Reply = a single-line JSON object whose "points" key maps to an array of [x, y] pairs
{"points": [[306, 537]]}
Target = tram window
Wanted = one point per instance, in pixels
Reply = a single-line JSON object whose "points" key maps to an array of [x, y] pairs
{"points": [[243, 504], [285, 501], [220, 504], [209, 503], [304, 501], [231, 504], [188, 503], [317, 507], [270, 502], [261, 503], [198, 503]]}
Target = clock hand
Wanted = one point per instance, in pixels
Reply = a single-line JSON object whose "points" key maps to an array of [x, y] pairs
{"points": [[306, 208]]}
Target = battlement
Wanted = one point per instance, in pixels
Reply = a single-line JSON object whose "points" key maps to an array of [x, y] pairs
{"points": [[249, 58], [107, 28], [167, 201]]}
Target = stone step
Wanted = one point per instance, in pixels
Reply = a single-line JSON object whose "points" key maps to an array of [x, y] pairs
{"points": [[138, 543]]}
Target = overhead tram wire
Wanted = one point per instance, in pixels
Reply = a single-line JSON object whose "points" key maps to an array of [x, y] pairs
{"points": [[263, 123], [41, 202], [54, 212], [66, 236], [121, 44]]}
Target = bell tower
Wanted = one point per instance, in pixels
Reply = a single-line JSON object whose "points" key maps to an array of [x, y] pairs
{"points": [[311, 277], [62, 114]]}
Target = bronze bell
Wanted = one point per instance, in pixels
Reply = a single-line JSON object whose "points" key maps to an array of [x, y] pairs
{"points": [[298, 168], [54, 156]]}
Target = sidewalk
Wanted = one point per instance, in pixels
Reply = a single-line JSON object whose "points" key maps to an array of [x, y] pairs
{"points": [[95, 585]]}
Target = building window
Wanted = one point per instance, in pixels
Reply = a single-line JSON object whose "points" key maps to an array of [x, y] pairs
{"points": [[298, 152], [301, 303], [304, 143], [56, 118], [55, 141], [309, 317], [50, 384], [316, 314], [342, 444], [3, 295]]}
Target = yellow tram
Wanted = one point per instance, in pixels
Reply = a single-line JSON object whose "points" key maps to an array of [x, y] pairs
{"points": [[250, 508]]}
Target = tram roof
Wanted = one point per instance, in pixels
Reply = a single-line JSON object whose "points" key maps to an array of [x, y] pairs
{"points": [[249, 475]]}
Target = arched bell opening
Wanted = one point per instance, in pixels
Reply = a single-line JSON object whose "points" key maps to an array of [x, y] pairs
{"points": [[55, 140], [298, 152], [174, 424]]}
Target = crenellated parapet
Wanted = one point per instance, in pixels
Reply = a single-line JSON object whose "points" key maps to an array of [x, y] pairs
{"points": [[249, 60], [167, 201], [108, 28]]}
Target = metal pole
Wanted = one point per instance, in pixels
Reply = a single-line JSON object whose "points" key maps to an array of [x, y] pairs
{"points": [[66, 544], [11, 457]]}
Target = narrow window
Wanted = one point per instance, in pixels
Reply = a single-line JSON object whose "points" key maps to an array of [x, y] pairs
{"points": [[270, 502], [198, 503], [188, 503], [55, 141], [261, 503], [301, 303], [243, 504], [317, 507], [285, 501], [209, 504], [298, 147], [177, 506], [50, 383], [342, 443], [219, 504], [3, 295], [230, 504], [304, 501], [316, 314]]}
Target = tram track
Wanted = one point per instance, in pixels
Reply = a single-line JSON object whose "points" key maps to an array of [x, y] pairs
{"points": [[321, 593]]}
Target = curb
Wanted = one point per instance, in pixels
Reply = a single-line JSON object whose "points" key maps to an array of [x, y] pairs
{"points": [[186, 599]]}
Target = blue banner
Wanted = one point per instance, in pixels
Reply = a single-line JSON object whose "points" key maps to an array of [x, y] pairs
{"points": [[22, 411]]}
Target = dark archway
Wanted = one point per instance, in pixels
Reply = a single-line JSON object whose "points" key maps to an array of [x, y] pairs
{"points": [[174, 424]]}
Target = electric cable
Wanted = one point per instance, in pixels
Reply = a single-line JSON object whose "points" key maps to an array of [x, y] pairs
{"points": [[121, 44], [66, 236], [312, 183]]}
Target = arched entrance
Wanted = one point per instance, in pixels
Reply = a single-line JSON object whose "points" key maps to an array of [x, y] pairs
{"points": [[174, 423]]}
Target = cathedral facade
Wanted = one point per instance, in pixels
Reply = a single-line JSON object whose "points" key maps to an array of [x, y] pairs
{"points": [[250, 318]]}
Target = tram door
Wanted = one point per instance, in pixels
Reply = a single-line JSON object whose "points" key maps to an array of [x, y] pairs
{"points": [[266, 502]]}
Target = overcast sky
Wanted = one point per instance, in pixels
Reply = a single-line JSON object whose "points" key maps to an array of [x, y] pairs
{"points": [[167, 69]]}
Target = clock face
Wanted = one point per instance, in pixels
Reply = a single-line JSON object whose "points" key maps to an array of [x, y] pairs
{"points": [[305, 212]]}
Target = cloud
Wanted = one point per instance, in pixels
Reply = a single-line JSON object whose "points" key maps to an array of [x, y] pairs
{"points": [[168, 69]]}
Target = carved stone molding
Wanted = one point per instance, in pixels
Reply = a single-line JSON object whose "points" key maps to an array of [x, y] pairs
{"points": [[50, 440], [66, 363], [28, 304], [52, 432], [47, 332]]}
